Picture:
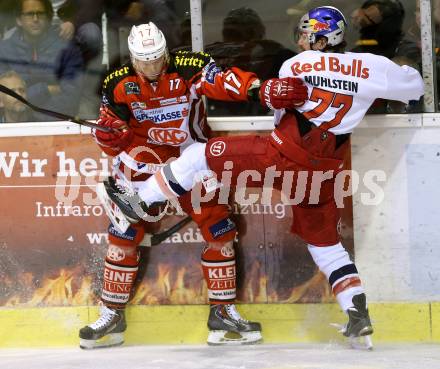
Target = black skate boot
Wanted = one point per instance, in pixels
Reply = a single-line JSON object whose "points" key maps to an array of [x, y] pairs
{"points": [[107, 331], [226, 327], [129, 203], [359, 323]]}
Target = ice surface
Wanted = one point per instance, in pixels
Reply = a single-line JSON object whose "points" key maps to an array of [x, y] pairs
{"points": [[265, 356]]}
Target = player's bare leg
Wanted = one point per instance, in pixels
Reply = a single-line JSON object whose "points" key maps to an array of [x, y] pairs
{"points": [[344, 279]]}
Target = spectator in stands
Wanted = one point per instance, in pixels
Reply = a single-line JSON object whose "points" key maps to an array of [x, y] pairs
{"points": [[77, 20], [244, 45], [123, 14], [410, 45], [6, 16], [380, 26], [80, 20], [12, 110], [49, 66]]}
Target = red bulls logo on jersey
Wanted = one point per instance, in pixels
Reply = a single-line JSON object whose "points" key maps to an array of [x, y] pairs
{"points": [[332, 64], [168, 136]]}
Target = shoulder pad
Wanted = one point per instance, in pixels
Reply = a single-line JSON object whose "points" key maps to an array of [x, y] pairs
{"points": [[116, 75], [109, 85], [187, 63]]}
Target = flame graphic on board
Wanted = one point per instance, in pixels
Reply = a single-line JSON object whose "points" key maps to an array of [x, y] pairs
{"points": [[170, 286]]}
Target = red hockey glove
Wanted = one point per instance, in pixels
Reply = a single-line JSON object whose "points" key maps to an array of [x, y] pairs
{"points": [[119, 138], [279, 93]]}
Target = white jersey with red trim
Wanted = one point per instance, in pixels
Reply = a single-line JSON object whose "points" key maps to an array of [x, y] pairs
{"points": [[342, 86]]}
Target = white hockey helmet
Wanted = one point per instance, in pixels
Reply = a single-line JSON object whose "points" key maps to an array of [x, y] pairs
{"points": [[148, 51], [146, 42]]}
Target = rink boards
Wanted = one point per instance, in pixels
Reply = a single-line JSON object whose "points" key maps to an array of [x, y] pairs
{"points": [[395, 248], [282, 323]]}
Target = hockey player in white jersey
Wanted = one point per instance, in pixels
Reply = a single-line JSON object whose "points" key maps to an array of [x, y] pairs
{"points": [[313, 137]]}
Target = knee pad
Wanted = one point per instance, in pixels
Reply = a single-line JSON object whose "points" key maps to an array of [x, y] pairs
{"points": [[121, 265], [215, 224], [340, 271], [132, 236], [218, 264]]}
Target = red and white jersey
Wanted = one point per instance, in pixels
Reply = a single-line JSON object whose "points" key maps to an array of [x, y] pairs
{"points": [[168, 115], [342, 86]]}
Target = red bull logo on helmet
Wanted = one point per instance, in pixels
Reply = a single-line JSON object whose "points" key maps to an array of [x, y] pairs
{"points": [[317, 26]]}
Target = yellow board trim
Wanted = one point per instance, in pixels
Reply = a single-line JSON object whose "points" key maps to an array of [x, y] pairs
{"points": [[186, 324]]}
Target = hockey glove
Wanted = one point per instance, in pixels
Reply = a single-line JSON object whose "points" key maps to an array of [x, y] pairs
{"points": [[119, 138], [279, 93]]}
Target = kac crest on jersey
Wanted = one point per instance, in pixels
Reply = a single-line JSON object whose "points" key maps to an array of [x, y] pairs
{"points": [[167, 136]]}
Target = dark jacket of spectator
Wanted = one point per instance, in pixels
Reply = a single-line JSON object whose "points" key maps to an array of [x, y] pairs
{"points": [[49, 62], [80, 12], [380, 25], [245, 47], [85, 17]]}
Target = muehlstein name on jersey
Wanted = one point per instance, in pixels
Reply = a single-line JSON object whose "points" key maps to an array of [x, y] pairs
{"points": [[332, 83]]}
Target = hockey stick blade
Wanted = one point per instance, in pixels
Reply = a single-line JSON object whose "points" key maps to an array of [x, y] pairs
{"points": [[52, 113], [156, 239]]}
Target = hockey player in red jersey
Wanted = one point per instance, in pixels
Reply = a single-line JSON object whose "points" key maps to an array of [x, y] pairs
{"points": [[154, 107], [311, 138]]}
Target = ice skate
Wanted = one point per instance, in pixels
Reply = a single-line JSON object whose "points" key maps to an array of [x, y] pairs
{"points": [[122, 205], [107, 331], [227, 327], [128, 200], [359, 328], [125, 199]]}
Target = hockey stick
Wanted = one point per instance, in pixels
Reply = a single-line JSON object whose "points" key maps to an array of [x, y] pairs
{"points": [[52, 113], [149, 239], [155, 239]]}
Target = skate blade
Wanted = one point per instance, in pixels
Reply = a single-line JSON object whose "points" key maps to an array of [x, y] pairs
{"points": [[339, 327], [361, 343], [115, 214], [218, 338], [109, 340]]}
